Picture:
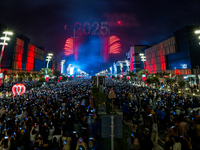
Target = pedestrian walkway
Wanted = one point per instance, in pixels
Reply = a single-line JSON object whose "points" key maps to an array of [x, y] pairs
{"points": [[161, 137]]}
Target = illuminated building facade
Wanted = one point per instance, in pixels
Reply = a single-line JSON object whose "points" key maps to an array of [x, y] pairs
{"points": [[20, 55], [134, 58], [121, 67], [178, 54], [54, 65]]}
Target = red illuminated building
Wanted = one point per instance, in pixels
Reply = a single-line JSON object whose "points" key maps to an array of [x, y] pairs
{"points": [[134, 57], [176, 55], [20, 55]]}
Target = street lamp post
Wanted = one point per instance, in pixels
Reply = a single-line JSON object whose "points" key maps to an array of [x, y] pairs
{"points": [[62, 63], [143, 59], [49, 57], [115, 69], [197, 78], [79, 73], [5, 38], [111, 72], [127, 65], [106, 73], [68, 69], [121, 66]]}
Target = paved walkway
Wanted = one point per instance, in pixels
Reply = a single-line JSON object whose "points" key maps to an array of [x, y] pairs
{"points": [[160, 138]]}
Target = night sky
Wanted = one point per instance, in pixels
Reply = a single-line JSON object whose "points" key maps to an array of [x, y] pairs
{"points": [[142, 22]]}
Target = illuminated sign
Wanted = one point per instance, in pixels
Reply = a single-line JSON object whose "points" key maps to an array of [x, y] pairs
{"points": [[94, 29], [71, 71], [68, 46], [184, 66], [18, 89]]}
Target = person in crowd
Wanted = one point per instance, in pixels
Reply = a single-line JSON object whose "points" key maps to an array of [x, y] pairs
{"points": [[125, 112], [161, 117], [81, 144], [169, 142], [177, 144], [134, 145], [51, 132], [154, 134], [66, 141], [93, 144], [197, 130], [5, 143], [146, 142], [182, 128]]}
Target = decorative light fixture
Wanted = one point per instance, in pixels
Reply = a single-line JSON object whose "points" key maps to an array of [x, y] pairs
{"points": [[5, 38]]}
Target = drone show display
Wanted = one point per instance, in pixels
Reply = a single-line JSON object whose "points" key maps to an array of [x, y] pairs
{"points": [[91, 45]]}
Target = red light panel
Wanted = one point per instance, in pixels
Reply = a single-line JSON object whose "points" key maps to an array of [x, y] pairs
{"points": [[30, 58], [69, 46], [17, 55], [115, 45]]}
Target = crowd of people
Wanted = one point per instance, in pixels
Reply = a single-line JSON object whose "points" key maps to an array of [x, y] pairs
{"points": [[153, 112], [63, 117], [50, 118]]}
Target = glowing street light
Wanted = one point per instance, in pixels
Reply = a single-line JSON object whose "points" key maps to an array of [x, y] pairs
{"points": [[115, 69], [62, 63], [121, 65], [143, 57], [71, 70], [111, 71], [106, 73], [3, 43], [197, 79], [5, 38], [127, 65], [197, 32], [8, 33], [49, 57]]}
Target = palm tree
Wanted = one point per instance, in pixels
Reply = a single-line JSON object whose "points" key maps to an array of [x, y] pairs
{"points": [[155, 80], [170, 81], [181, 84], [46, 71], [148, 81], [118, 77], [131, 74], [179, 77], [113, 76], [166, 74], [141, 72]]}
